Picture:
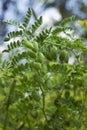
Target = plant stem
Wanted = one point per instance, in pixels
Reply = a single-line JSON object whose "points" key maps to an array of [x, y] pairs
{"points": [[8, 103], [43, 109]]}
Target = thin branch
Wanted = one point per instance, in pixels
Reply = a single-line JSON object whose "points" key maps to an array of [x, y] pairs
{"points": [[34, 14], [43, 109], [8, 103]]}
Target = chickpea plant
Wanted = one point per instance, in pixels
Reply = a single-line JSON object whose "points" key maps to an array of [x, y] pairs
{"points": [[39, 88]]}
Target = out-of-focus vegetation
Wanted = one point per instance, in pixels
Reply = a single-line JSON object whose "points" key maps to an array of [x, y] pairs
{"points": [[39, 87]]}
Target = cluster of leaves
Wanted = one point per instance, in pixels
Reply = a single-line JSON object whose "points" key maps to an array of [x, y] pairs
{"points": [[39, 88]]}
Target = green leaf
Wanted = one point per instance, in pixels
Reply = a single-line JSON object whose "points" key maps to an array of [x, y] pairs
{"points": [[27, 17], [67, 21]]}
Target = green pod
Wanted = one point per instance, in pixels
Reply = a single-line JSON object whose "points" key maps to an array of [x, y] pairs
{"points": [[48, 55], [31, 53], [44, 69], [64, 56], [35, 46], [53, 52], [37, 65], [28, 44], [41, 57]]}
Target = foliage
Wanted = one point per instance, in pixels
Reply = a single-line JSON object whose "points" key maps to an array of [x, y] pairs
{"points": [[83, 22], [39, 88]]}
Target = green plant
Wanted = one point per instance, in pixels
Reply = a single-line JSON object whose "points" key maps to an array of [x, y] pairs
{"points": [[39, 88]]}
